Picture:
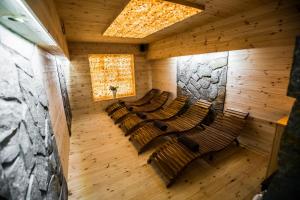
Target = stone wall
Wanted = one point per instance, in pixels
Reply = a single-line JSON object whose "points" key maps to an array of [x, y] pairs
{"points": [[203, 77], [29, 162]]}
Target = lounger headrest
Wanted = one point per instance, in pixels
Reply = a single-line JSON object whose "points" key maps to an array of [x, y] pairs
{"points": [[130, 108], [141, 115], [165, 93], [161, 125], [154, 90], [189, 143]]}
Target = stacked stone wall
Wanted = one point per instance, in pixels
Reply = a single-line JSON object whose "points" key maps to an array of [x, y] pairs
{"points": [[203, 77], [30, 166]]}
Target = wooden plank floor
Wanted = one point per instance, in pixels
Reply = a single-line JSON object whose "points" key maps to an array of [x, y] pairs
{"points": [[104, 165]]}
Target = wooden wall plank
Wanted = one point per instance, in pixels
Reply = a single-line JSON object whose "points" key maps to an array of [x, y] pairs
{"points": [[254, 86], [257, 82], [164, 75], [258, 135], [269, 25]]}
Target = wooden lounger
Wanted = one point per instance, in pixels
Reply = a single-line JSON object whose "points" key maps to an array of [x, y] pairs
{"points": [[144, 135], [133, 121], [155, 104], [140, 102], [171, 158]]}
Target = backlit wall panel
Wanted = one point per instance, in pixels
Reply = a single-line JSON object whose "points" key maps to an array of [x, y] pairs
{"points": [[115, 70]]}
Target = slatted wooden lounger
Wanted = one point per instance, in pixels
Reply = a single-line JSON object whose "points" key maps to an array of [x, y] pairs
{"points": [[144, 135], [155, 104], [133, 121], [140, 102], [172, 157]]}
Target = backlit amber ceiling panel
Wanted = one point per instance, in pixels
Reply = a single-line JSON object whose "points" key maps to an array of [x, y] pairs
{"points": [[141, 18], [115, 70]]}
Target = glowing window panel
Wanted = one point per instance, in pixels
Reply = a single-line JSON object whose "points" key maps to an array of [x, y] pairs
{"points": [[141, 18], [115, 70]]}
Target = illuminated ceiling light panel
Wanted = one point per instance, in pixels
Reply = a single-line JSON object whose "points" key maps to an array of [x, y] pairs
{"points": [[141, 18]]}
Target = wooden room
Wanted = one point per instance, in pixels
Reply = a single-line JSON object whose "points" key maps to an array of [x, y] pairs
{"points": [[150, 99]]}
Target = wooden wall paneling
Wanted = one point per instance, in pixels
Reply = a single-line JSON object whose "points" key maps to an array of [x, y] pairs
{"points": [[257, 81], [258, 135], [78, 75], [47, 14], [273, 24], [164, 74]]}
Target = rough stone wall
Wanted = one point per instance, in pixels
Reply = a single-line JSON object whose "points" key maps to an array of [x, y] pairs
{"points": [[30, 167], [203, 77]]}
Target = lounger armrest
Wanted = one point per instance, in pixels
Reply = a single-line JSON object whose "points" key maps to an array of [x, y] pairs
{"points": [[161, 125], [189, 143], [141, 115]]}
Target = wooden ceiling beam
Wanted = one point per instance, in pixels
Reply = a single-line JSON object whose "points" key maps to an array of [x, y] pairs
{"points": [[188, 3], [116, 14]]}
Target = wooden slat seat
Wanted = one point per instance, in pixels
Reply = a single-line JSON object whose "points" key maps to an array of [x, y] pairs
{"points": [[155, 104], [140, 102], [172, 157], [132, 121], [144, 135]]}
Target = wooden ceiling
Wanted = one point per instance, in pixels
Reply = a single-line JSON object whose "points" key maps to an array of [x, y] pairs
{"points": [[86, 20]]}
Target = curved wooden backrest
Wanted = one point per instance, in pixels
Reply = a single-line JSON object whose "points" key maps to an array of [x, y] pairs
{"points": [[147, 97], [156, 103], [175, 106], [231, 122], [196, 109], [162, 98], [151, 93], [193, 116]]}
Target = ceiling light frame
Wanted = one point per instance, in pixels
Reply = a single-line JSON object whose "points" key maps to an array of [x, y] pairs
{"points": [[141, 18]]}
